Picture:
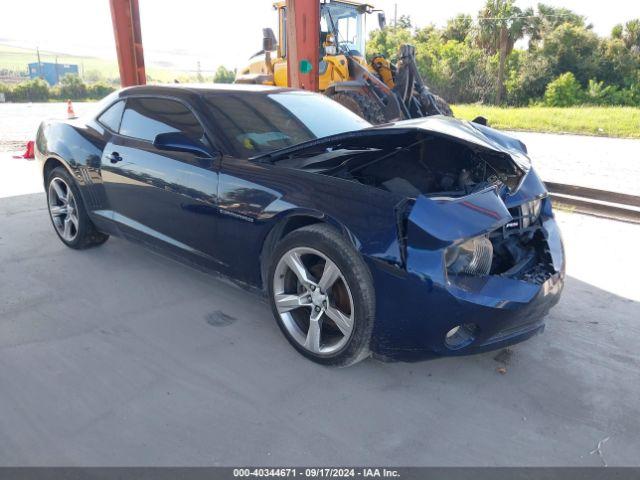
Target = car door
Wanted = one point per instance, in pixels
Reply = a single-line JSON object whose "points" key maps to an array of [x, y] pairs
{"points": [[160, 196]]}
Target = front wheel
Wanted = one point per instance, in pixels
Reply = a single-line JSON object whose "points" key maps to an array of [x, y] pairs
{"points": [[322, 296]]}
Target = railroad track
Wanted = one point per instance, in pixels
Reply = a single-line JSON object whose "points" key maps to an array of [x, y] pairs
{"points": [[591, 201]]}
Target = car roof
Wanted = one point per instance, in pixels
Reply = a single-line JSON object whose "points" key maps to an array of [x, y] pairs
{"points": [[178, 89]]}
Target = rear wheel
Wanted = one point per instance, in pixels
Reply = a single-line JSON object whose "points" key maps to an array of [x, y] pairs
{"points": [[322, 296], [361, 105], [67, 212]]}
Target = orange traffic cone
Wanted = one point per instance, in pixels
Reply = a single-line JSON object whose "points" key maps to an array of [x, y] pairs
{"points": [[28, 154], [70, 112]]}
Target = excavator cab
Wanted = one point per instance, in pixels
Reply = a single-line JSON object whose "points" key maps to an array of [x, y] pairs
{"points": [[377, 91], [344, 25]]}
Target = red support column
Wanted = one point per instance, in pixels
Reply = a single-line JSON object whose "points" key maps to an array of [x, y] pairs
{"points": [[125, 16], [303, 43]]}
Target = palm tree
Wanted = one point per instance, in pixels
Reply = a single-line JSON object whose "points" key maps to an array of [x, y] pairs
{"points": [[501, 25]]}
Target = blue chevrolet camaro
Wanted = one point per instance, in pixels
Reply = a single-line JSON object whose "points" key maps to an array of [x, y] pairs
{"points": [[407, 240]]}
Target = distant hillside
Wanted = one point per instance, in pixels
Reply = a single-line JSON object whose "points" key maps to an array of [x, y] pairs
{"points": [[91, 68]]}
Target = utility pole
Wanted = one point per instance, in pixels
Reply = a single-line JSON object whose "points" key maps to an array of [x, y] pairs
{"points": [[39, 63], [395, 14]]}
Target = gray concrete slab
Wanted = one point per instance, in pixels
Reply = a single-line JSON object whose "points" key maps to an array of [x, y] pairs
{"points": [[597, 162], [117, 356]]}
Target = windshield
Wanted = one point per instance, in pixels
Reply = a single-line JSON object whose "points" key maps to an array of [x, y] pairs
{"points": [[256, 124], [346, 23]]}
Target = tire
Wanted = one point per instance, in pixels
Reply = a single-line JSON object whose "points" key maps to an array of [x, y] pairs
{"points": [[344, 331], [443, 106], [68, 214], [361, 105], [437, 106]]}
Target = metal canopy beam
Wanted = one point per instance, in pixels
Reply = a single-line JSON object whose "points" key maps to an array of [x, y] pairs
{"points": [[125, 16], [303, 43]]}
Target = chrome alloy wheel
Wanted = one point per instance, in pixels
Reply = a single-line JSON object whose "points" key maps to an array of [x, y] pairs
{"points": [[313, 300], [63, 209]]}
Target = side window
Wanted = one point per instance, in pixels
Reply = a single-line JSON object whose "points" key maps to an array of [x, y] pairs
{"points": [[144, 118], [112, 116]]}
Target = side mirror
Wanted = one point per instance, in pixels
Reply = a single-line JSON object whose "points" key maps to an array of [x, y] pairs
{"points": [[382, 20], [179, 142], [269, 42]]}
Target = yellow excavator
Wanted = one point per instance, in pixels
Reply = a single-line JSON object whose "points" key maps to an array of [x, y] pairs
{"points": [[378, 91]]}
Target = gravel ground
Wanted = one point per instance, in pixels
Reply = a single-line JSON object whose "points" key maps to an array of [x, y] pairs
{"points": [[117, 356]]}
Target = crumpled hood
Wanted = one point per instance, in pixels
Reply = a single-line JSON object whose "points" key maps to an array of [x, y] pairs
{"points": [[469, 133], [510, 154]]}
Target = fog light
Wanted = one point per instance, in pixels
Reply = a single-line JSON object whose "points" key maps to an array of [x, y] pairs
{"points": [[460, 336]]}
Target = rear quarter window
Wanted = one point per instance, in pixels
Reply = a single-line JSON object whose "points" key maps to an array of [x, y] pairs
{"points": [[145, 118], [112, 116]]}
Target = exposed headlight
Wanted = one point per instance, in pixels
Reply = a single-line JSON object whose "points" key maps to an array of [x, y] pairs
{"points": [[530, 212], [472, 257]]}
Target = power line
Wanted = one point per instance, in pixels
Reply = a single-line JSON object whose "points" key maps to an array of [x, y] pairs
{"points": [[558, 15]]}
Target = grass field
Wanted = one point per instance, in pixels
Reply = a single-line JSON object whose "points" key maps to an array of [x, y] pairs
{"points": [[602, 121], [17, 59]]}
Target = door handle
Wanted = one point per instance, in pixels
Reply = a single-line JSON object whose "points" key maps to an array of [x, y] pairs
{"points": [[114, 157]]}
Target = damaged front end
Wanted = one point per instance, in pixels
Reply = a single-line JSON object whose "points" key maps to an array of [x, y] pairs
{"points": [[493, 279], [480, 259]]}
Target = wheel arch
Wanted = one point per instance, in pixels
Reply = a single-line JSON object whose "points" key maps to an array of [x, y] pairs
{"points": [[49, 164], [291, 221]]}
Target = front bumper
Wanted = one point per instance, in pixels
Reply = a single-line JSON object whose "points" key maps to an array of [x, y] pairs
{"points": [[416, 311]]}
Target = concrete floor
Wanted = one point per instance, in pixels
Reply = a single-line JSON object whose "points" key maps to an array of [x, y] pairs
{"points": [[117, 356]]}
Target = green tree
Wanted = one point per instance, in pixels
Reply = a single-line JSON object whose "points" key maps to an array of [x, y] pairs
{"points": [[570, 48], [501, 24], [630, 34], [36, 90], [224, 75], [547, 19], [458, 71], [458, 28], [617, 64], [99, 90], [404, 22], [564, 91], [528, 81], [72, 87], [387, 41], [94, 76]]}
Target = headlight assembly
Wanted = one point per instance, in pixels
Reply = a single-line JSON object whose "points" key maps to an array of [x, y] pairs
{"points": [[472, 257], [530, 212]]}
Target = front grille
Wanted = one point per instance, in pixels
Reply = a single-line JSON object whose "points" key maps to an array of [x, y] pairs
{"points": [[521, 252]]}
